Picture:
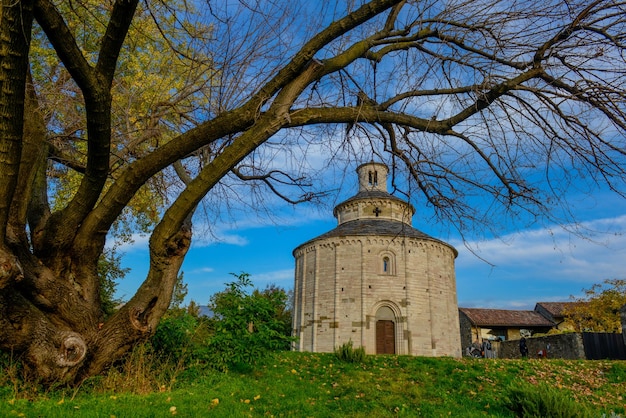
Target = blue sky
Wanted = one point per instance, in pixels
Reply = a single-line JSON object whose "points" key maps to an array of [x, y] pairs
{"points": [[520, 268], [539, 262]]}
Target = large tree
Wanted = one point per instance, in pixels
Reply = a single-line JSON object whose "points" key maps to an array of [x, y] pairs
{"points": [[513, 102]]}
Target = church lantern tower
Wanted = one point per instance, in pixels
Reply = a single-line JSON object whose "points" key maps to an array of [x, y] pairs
{"points": [[375, 280]]}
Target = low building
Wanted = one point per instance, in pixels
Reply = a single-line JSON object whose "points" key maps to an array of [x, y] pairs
{"points": [[556, 312], [505, 327], [500, 324]]}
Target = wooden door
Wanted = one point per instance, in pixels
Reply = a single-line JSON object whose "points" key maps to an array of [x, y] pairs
{"points": [[385, 337]]}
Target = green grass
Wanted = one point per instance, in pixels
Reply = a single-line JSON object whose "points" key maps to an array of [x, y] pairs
{"points": [[319, 385]]}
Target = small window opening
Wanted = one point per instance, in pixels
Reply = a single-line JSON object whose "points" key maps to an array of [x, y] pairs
{"points": [[373, 178], [386, 265]]}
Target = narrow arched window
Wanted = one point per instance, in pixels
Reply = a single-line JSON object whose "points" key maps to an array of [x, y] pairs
{"points": [[372, 178], [387, 263]]}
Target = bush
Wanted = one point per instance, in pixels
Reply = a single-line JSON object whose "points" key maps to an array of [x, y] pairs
{"points": [[182, 342], [180, 333], [247, 326], [346, 352], [542, 401]]}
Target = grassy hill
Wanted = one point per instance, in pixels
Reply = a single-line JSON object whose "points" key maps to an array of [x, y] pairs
{"points": [[319, 385]]}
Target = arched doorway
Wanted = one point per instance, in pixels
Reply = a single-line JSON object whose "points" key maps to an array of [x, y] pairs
{"points": [[385, 331]]}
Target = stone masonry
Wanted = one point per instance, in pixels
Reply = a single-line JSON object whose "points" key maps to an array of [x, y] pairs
{"points": [[375, 280]]}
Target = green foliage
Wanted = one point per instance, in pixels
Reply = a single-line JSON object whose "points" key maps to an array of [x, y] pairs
{"points": [[247, 326], [175, 333], [346, 352], [157, 92], [182, 340], [542, 400], [280, 300], [182, 336]]}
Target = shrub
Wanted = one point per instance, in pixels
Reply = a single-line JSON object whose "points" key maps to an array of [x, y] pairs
{"points": [[182, 342], [346, 352], [542, 401], [247, 326], [178, 333]]}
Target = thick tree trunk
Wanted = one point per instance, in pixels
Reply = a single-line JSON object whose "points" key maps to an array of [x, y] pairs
{"points": [[60, 336], [139, 317], [48, 350]]}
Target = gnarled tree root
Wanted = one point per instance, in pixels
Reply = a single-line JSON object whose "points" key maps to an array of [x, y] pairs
{"points": [[72, 350]]}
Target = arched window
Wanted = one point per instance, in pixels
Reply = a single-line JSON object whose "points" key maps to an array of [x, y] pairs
{"points": [[387, 264]]}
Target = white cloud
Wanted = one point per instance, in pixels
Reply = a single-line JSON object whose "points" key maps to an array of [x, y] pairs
{"points": [[540, 265], [222, 237], [278, 277], [565, 254]]}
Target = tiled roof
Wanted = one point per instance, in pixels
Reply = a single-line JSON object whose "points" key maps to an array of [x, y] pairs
{"points": [[376, 226], [505, 318], [554, 308]]}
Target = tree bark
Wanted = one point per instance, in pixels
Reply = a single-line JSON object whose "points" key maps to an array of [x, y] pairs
{"points": [[16, 22]]}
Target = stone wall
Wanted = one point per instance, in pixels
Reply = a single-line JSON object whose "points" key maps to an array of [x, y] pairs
{"points": [[565, 346], [466, 331]]}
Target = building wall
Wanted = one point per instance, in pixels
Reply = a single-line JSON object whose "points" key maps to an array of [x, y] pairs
{"points": [[389, 209], [561, 323], [340, 286]]}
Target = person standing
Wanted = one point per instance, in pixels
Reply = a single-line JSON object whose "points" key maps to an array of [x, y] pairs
{"points": [[523, 348], [487, 349]]}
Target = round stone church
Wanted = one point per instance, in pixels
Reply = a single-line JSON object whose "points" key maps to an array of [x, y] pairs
{"points": [[375, 280]]}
